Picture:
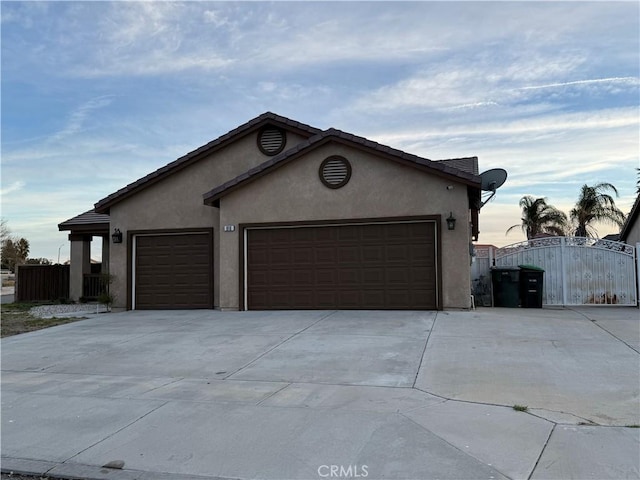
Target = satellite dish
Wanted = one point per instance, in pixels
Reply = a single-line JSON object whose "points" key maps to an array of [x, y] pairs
{"points": [[491, 180]]}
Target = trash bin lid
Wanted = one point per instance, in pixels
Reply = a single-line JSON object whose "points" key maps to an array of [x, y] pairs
{"points": [[531, 267], [508, 267]]}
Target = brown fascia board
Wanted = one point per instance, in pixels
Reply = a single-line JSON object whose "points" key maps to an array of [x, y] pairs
{"points": [[212, 197], [106, 203]]}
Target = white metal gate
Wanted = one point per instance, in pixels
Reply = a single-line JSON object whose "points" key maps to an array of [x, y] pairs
{"points": [[578, 270]]}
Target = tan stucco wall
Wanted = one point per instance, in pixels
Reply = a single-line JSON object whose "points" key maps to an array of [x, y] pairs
{"points": [[633, 236], [177, 203], [378, 188]]}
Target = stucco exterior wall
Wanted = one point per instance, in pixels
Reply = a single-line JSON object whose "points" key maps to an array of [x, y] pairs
{"points": [[176, 202], [633, 237], [377, 188]]}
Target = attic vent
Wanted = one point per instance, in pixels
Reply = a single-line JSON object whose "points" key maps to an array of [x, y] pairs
{"points": [[271, 140], [335, 171]]}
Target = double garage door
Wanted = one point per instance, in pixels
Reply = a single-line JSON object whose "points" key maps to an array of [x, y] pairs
{"points": [[356, 266]]}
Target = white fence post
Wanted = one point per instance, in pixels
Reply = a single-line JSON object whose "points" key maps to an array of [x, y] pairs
{"points": [[563, 269]]}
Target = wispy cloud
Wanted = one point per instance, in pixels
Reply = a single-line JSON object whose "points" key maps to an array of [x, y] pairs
{"points": [[77, 119], [14, 187], [623, 81]]}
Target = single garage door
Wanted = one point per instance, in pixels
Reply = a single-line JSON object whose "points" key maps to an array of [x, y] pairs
{"points": [[173, 271], [359, 266]]}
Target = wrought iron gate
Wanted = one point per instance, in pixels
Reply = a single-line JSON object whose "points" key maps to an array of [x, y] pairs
{"points": [[578, 270]]}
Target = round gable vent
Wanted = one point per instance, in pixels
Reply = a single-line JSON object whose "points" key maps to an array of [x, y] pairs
{"points": [[335, 171], [271, 140]]}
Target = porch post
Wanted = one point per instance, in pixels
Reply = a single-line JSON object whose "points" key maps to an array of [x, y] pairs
{"points": [[105, 253], [79, 264]]}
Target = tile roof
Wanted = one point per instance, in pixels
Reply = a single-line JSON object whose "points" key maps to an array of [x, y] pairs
{"points": [[103, 205], [88, 219], [443, 168], [468, 164]]}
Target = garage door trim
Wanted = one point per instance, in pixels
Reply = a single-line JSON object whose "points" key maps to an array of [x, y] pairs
{"points": [[245, 227], [131, 256]]}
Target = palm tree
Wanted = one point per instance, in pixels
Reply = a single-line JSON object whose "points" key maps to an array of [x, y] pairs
{"points": [[540, 217], [594, 205]]}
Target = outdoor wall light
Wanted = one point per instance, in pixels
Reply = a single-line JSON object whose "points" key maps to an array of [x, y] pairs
{"points": [[116, 236], [451, 222]]}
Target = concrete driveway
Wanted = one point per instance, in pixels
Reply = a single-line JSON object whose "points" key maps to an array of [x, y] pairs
{"points": [[312, 395]]}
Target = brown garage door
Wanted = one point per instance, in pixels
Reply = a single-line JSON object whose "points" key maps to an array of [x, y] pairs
{"points": [[368, 266], [173, 271]]}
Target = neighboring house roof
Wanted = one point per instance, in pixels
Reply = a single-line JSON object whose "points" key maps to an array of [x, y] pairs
{"points": [[632, 218], [267, 118], [442, 168], [89, 221]]}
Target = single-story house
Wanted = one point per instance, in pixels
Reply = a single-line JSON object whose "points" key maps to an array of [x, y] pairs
{"points": [[277, 214]]}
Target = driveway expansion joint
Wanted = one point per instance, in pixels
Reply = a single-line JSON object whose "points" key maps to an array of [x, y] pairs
{"points": [[544, 447], [279, 344], [117, 431]]}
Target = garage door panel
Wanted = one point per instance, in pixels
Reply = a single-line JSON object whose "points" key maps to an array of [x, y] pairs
{"points": [[385, 265], [325, 277], [303, 278], [302, 255], [280, 256], [280, 278], [349, 298], [349, 276], [259, 255], [302, 299], [397, 253], [374, 298], [373, 277], [349, 254], [173, 271], [398, 276], [326, 255], [326, 299], [372, 253]]}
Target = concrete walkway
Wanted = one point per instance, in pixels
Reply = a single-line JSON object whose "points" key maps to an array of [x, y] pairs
{"points": [[312, 395]]}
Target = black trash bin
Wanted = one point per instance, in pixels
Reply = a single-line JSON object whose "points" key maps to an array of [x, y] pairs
{"points": [[531, 283], [506, 291]]}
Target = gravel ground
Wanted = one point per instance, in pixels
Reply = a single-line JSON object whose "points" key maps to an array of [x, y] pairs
{"points": [[63, 310]]}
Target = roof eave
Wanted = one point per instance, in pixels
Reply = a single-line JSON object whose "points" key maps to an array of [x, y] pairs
{"points": [[96, 228]]}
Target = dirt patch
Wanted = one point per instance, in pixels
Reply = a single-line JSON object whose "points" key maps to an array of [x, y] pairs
{"points": [[15, 319]]}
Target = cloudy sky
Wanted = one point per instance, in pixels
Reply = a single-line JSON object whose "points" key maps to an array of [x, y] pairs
{"points": [[98, 94]]}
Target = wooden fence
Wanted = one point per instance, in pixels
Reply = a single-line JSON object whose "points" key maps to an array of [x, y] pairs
{"points": [[42, 283]]}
